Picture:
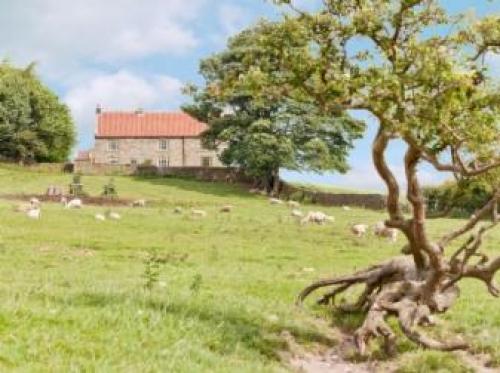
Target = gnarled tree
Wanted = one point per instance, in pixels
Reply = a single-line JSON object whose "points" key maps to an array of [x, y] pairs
{"points": [[426, 87]]}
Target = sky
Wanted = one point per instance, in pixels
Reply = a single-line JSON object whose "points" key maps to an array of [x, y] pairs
{"points": [[125, 54]]}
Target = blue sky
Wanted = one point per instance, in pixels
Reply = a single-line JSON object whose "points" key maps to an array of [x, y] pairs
{"points": [[125, 54]]}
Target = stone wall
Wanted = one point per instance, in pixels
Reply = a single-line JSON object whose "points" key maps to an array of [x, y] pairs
{"points": [[370, 201], [180, 152]]}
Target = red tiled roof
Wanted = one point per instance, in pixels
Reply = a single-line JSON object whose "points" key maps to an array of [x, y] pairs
{"points": [[136, 125]]}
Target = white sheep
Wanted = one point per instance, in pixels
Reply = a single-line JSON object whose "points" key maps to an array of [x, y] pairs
{"points": [[100, 217], [317, 217], [34, 202], [113, 215], [275, 201], [34, 213], [198, 213], [293, 204], [297, 213], [139, 203], [178, 210], [381, 230], [359, 230], [346, 208], [75, 203]]}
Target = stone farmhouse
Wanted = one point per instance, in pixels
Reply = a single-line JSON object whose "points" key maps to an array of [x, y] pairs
{"points": [[162, 139]]}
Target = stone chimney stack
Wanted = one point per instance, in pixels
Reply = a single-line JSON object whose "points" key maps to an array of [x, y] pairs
{"points": [[98, 109]]}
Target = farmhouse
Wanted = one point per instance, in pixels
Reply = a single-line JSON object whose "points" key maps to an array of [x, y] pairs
{"points": [[162, 139]]}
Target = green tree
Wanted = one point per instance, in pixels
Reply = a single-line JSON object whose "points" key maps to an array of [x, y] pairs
{"points": [[420, 75], [263, 135], [34, 124]]}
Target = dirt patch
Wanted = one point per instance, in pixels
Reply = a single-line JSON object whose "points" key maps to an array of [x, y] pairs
{"points": [[97, 201], [477, 362], [321, 359]]}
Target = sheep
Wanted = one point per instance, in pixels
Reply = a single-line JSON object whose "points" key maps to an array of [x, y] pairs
{"points": [[178, 210], [34, 202], [346, 208], [139, 203], [226, 208], [359, 230], [75, 203], [198, 213], [34, 213], [113, 215], [297, 213], [317, 217], [100, 217], [254, 191], [275, 201], [381, 230], [293, 204]]}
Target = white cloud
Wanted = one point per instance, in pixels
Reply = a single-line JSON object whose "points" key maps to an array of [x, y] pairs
{"points": [[62, 34], [120, 91]]}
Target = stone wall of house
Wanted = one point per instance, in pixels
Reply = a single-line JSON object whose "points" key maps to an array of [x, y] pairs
{"points": [[179, 152]]}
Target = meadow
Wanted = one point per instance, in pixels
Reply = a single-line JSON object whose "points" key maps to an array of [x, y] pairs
{"points": [[157, 291]]}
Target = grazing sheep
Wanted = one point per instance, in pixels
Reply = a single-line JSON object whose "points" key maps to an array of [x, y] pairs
{"points": [[226, 208], [381, 230], [346, 208], [275, 201], [34, 202], [297, 213], [317, 217], [100, 217], [254, 191], [178, 210], [34, 213], [198, 213], [113, 215], [75, 203], [139, 203], [359, 230], [293, 204]]}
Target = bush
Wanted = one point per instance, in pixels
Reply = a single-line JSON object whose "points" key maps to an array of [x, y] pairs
{"points": [[457, 198], [109, 189]]}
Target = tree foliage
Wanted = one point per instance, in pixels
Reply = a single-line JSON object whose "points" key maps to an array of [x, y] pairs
{"points": [[34, 124], [420, 74], [264, 132]]}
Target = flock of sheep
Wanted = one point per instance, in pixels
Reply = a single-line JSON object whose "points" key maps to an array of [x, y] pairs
{"points": [[318, 217], [33, 211]]}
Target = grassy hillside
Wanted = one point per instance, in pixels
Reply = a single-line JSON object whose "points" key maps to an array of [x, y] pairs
{"points": [[221, 289]]}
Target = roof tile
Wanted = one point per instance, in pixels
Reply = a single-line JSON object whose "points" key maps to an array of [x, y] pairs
{"points": [[136, 125]]}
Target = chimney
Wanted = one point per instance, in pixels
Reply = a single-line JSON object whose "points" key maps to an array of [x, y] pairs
{"points": [[139, 111], [98, 109]]}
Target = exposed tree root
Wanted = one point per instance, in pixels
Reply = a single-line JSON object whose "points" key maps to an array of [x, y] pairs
{"points": [[391, 288]]}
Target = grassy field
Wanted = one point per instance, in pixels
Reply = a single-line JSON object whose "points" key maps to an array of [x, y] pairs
{"points": [[162, 292]]}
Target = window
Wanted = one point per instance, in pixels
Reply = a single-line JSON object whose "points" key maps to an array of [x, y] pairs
{"points": [[113, 145], [114, 160], [162, 162], [133, 162], [206, 161], [163, 144]]}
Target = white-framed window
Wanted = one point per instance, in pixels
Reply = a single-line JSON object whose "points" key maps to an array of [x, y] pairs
{"points": [[163, 144], [113, 145], [206, 161], [162, 162]]}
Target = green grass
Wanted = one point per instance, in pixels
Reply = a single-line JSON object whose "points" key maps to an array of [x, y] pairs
{"points": [[74, 297]]}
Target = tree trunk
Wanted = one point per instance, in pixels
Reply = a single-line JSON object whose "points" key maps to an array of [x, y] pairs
{"points": [[414, 287]]}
